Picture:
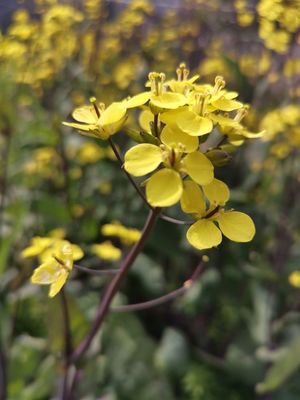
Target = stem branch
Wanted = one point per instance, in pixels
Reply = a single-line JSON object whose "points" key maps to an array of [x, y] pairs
{"points": [[163, 299], [114, 286]]}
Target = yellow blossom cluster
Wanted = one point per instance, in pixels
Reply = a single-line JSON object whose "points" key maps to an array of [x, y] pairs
{"points": [[116, 49], [283, 130], [278, 21], [187, 128]]}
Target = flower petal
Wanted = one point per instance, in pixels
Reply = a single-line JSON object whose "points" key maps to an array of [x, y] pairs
{"points": [[192, 201], [198, 167], [173, 137], [145, 118], [224, 104], [194, 124], [77, 252], [204, 234], [164, 188], [170, 116], [142, 159], [137, 100], [85, 114], [237, 226], [112, 114], [58, 284], [46, 273], [168, 100], [217, 192]]}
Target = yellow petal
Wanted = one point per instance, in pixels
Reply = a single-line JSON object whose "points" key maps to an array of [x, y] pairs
{"points": [[204, 234], [173, 137], [145, 118], [164, 188], [82, 127], [168, 100], [58, 284], [142, 159], [217, 192], [77, 252], [112, 114], [237, 226], [46, 273], [137, 100], [85, 114], [170, 116], [224, 104], [192, 200], [252, 135], [38, 245], [194, 124], [224, 121], [198, 167], [106, 251]]}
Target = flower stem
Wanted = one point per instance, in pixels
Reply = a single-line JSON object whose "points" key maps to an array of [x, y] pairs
{"points": [[65, 393], [96, 271], [163, 299], [114, 285]]}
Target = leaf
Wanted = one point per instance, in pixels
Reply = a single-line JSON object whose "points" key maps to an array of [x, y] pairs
{"points": [[282, 368]]}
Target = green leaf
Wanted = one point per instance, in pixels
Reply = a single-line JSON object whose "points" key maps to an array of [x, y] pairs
{"points": [[282, 368]]}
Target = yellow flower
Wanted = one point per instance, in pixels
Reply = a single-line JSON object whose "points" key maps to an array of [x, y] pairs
{"points": [[44, 247], [98, 121], [294, 279], [159, 99], [182, 84], [178, 155], [127, 236], [90, 153], [55, 269], [204, 233], [106, 251], [38, 245]]}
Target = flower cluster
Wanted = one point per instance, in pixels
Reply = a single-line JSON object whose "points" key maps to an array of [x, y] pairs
{"points": [[186, 129]]}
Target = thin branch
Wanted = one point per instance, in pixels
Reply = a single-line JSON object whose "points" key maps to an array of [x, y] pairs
{"points": [[3, 377], [96, 271], [163, 299], [114, 285], [141, 194], [67, 327], [175, 220], [138, 190], [68, 346]]}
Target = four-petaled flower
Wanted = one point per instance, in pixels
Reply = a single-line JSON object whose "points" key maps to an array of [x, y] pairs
{"points": [[204, 233], [55, 269], [179, 156]]}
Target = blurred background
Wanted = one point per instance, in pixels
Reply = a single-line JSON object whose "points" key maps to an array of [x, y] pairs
{"points": [[236, 334]]}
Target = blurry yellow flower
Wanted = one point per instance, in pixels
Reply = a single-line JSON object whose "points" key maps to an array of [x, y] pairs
{"points": [[294, 279], [127, 236], [105, 187], [90, 153], [58, 233], [43, 247], [106, 251], [37, 246], [77, 210], [55, 269]]}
